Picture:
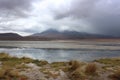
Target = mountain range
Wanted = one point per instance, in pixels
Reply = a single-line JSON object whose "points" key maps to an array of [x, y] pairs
{"points": [[10, 36], [54, 35]]}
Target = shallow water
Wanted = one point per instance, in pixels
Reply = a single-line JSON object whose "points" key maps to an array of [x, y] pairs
{"points": [[53, 55], [65, 51]]}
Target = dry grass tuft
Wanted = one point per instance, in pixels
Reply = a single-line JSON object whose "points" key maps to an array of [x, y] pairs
{"points": [[91, 69], [78, 75], [76, 72], [74, 65], [10, 74]]}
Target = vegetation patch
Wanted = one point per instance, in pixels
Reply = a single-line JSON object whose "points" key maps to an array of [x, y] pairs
{"points": [[82, 71], [7, 60], [8, 74], [11, 68], [110, 61], [115, 75], [91, 69], [40, 63]]}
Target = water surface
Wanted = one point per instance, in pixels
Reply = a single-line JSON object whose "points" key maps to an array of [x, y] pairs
{"points": [[53, 51], [53, 55]]}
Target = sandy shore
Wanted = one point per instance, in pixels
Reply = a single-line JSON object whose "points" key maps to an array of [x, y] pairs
{"points": [[85, 45]]}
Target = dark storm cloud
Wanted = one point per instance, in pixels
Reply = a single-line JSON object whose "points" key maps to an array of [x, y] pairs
{"points": [[103, 15], [15, 8], [106, 24], [106, 17], [78, 9]]}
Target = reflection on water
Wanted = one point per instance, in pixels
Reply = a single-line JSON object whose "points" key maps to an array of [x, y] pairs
{"points": [[53, 55]]}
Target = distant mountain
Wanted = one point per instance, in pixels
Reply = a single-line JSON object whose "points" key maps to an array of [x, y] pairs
{"points": [[54, 34], [50, 34], [17, 37], [10, 36]]}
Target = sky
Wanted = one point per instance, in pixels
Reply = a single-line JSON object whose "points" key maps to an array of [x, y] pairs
{"points": [[34, 16]]}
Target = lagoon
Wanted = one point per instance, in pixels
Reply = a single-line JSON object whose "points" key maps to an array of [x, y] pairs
{"points": [[55, 51]]}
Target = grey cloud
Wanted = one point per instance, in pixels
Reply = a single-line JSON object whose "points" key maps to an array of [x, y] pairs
{"points": [[15, 8], [103, 15], [78, 9], [11, 10], [96, 16], [107, 24], [106, 18]]}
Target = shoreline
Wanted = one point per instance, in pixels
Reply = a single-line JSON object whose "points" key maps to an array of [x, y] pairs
{"points": [[75, 45], [82, 49], [28, 69]]}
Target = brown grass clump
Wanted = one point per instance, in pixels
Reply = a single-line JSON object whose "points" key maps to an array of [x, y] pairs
{"points": [[8, 74], [2, 73], [74, 65], [76, 72], [78, 75], [115, 76], [91, 69]]}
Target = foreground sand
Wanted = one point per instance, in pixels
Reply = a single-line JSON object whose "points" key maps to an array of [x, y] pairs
{"points": [[12, 68]]}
